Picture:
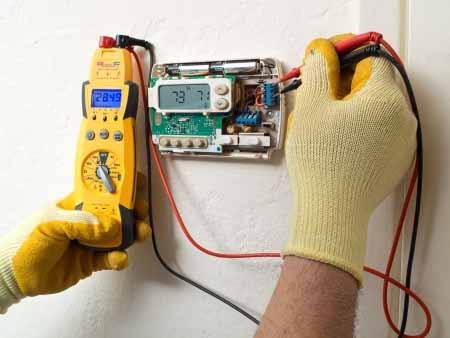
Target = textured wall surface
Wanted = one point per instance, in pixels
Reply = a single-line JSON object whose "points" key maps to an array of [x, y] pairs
{"points": [[46, 48], [428, 60]]}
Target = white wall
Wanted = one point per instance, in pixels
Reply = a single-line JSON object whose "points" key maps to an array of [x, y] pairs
{"points": [[46, 48], [420, 30], [428, 59]]}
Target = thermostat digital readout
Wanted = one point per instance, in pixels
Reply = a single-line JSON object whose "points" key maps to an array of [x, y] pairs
{"points": [[205, 95], [184, 96]]}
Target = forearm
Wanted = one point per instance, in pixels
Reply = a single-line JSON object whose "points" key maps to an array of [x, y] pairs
{"points": [[311, 300]]}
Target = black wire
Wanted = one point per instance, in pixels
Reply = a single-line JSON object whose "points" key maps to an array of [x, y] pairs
{"points": [[161, 260], [375, 50], [412, 247], [292, 86]]}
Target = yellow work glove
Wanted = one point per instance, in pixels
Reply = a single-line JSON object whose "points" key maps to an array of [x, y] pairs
{"points": [[41, 256], [344, 154]]}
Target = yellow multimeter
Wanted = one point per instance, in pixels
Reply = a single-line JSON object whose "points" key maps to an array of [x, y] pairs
{"points": [[105, 176]]}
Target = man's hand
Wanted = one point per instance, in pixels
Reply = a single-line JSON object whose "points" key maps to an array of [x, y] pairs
{"points": [[344, 155], [351, 140], [41, 256]]}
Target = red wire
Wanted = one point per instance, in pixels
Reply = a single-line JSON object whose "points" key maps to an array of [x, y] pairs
{"points": [[395, 243], [391, 51], [346, 46], [394, 247], [343, 47], [385, 276], [172, 200], [388, 279]]}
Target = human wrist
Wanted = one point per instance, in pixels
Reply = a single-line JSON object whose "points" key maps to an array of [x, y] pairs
{"points": [[330, 229]]}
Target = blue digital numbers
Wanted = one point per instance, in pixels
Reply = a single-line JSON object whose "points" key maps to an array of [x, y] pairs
{"points": [[106, 98]]}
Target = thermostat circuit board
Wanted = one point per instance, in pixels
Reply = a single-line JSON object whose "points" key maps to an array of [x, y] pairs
{"points": [[218, 108]]}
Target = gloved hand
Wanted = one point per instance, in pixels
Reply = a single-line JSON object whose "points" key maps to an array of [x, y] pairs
{"points": [[344, 155], [41, 256]]}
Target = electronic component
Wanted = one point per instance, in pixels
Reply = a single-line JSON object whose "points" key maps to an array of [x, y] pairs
{"points": [[217, 108], [269, 94], [106, 164], [249, 117], [268, 124], [216, 68]]}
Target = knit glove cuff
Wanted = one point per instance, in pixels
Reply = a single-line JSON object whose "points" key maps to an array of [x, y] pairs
{"points": [[330, 233], [9, 290]]}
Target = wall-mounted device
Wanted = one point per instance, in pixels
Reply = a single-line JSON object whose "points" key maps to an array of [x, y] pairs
{"points": [[217, 108]]}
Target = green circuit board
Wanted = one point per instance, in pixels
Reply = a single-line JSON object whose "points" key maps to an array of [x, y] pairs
{"points": [[192, 124]]}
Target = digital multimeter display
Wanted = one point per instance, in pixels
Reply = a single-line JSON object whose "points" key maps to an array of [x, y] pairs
{"points": [[106, 98], [189, 96]]}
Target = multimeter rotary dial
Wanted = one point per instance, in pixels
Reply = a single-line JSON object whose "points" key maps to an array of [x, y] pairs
{"points": [[102, 172]]}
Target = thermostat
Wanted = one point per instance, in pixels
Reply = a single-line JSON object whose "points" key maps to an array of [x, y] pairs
{"points": [[226, 108]]}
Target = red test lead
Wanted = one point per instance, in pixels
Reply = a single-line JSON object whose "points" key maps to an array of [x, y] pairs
{"points": [[346, 46]]}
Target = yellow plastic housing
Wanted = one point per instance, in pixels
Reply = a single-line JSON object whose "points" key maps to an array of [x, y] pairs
{"points": [[111, 68]]}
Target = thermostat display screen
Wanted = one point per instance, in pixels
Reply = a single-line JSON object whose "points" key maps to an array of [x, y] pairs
{"points": [[106, 98], [184, 96]]}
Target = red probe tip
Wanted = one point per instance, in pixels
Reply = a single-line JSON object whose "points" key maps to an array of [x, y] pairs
{"points": [[294, 72], [106, 42]]}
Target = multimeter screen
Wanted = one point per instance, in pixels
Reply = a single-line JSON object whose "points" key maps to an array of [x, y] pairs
{"points": [[106, 98], [189, 96]]}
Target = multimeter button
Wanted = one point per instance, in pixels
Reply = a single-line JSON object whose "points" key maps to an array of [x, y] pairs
{"points": [[118, 136], [104, 134], [186, 143], [221, 89], [221, 103], [105, 118], [90, 135]]}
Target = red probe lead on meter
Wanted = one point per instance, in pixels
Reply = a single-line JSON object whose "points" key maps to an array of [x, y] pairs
{"points": [[106, 42]]}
